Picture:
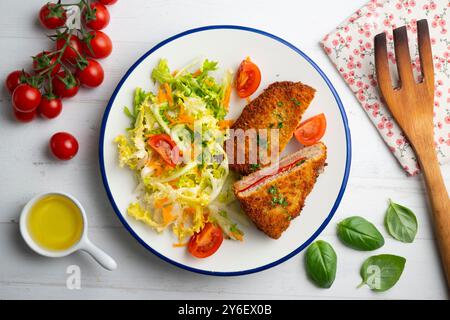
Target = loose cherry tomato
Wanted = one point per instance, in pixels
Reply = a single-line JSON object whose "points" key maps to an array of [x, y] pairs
{"points": [[96, 16], [52, 15], [91, 75], [166, 148], [46, 60], [206, 242], [26, 98], [97, 44], [24, 116], [107, 2], [73, 50], [65, 85], [14, 79], [63, 145], [248, 78], [50, 106], [312, 130]]}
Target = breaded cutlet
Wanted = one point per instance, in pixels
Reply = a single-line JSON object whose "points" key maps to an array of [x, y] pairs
{"points": [[271, 202], [280, 106]]}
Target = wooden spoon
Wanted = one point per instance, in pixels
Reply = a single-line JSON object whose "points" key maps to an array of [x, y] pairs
{"points": [[412, 104]]}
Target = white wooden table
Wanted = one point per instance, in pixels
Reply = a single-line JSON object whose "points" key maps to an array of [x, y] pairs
{"points": [[136, 26]]}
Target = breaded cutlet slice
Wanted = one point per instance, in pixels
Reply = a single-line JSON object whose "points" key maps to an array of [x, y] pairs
{"points": [[280, 106], [274, 201]]}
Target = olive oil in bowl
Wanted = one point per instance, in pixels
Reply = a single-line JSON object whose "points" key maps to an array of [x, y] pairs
{"points": [[55, 223]]}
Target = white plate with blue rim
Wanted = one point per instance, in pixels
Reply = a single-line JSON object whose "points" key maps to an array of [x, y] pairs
{"points": [[278, 61]]}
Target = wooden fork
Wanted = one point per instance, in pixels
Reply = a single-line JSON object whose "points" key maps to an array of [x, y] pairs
{"points": [[411, 104]]}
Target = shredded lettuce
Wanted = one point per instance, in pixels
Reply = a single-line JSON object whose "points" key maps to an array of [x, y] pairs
{"points": [[188, 106]]}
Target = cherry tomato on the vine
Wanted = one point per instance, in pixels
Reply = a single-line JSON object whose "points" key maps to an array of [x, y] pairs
{"points": [[108, 2], [97, 44], [24, 116], [46, 60], [52, 16], [26, 98], [14, 79], [73, 49], [63, 145], [91, 74], [96, 16], [65, 85], [50, 106]]}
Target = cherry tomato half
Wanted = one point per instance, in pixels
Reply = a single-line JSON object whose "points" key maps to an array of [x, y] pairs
{"points": [[24, 116], [108, 2], [63, 145], [73, 49], [166, 148], [92, 74], [46, 60], [65, 85], [97, 44], [14, 79], [26, 98], [50, 107], [97, 17], [312, 130], [52, 16], [206, 242], [248, 78]]}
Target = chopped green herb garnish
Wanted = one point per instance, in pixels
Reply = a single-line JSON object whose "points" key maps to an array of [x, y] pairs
{"points": [[273, 190], [254, 166], [298, 164], [280, 103], [280, 125], [296, 102], [223, 213]]}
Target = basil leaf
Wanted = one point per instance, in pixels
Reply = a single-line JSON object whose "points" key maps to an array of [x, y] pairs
{"points": [[360, 234], [382, 272], [321, 263], [401, 222]]}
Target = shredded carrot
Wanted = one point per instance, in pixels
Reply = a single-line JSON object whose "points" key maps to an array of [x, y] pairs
{"points": [[168, 217], [238, 236], [159, 203], [174, 73], [180, 245], [196, 73], [225, 124], [161, 95], [168, 92], [189, 211], [226, 98], [156, 166]]}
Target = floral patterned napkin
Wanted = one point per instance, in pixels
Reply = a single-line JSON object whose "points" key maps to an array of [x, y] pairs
{"points": [[350, 48]]}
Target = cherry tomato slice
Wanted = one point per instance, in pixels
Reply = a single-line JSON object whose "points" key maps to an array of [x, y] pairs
{"points": [[166, 148], [312, 130], [248, 78], [206, 242]]}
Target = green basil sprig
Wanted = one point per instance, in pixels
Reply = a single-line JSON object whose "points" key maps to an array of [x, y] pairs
{"points": [[382, 272], [360, 234], [401, 222], [321, 263]]}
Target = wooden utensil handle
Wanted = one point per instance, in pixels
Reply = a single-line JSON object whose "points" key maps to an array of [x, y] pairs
{"points": [[440, 205]]}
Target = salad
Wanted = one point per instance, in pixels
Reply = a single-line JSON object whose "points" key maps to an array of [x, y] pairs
{"points": [[175, 148]]}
